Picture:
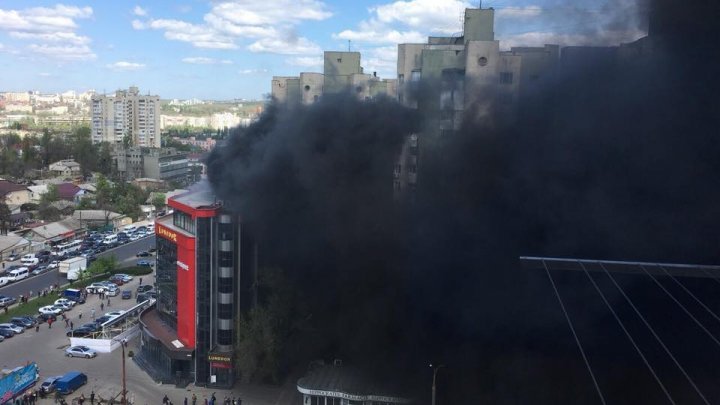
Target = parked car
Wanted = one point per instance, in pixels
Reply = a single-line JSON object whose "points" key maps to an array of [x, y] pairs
{"points": [[152, 250], [70, 382], [63, 306], [53, 264], [126, 294], [101, 320], [42, 318], [65, 301], [50, 309], [23, 321], [91, 325], [144, 288], [12, 327], [39, 270], [143, 253], [6, 301], [114, 314], [2, 338], [48, 385], [6, 333], [118, 281], [144, 263], [80, 351], [80, 332], [13, 257], [125, 277], [96, 288], [4, 281]]}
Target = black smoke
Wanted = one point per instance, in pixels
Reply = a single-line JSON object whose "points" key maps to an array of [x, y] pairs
{"points": [[614, 160]]}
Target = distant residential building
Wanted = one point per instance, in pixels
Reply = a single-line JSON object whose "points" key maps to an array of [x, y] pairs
{"points": [[100, 218], [165, 164], [70, 192], [129, 114], [55, 232], [342, 71], [36, 192], [26, 108], [13, 193], [65, 168], [204, 144], [17, 97], [146, 183], [13, 244]]}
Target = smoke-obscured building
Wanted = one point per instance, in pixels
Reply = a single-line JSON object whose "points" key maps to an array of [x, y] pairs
{"points": [[129, 114], [206, 265], [342, 71]]}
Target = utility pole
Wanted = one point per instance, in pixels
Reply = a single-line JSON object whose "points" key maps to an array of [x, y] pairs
{"points": [[122, 343], [435, 370]]}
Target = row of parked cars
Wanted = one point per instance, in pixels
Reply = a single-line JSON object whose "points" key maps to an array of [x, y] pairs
{"points": [[64, 384]]}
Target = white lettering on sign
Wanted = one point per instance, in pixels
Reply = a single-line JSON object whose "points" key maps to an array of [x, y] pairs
{"points": [[183, 265]]}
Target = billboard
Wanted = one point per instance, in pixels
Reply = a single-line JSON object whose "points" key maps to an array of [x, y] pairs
{"points": [[17, 381]]}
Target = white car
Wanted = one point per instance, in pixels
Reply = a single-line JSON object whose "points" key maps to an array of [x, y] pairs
{"points": [[12, 327], [96, 288], [125, 277], [65, 301], [3, 281], [63, 306], [80, 351], [50, 310], [53, 265], [114, 314]]}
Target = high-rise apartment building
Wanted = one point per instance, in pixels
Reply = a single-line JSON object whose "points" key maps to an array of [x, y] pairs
{"points": [[206, 266], [341, 72], [126, 115]]}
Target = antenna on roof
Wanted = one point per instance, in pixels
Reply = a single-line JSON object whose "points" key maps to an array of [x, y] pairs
{"points": [[349, 43], [480, 4]]}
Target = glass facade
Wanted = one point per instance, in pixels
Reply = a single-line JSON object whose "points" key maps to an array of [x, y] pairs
{"points": [[166, 280], [204, 300], [183, 221]]}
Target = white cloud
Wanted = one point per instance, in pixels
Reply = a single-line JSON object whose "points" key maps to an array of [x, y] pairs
{"points": [[229, 22], [63, 52], [285, 46], [64, 37], [306, 61], [253, 71], [53, 30], [44, 74], [125, 66], [201, 60], [139, 11], [540, 38]]}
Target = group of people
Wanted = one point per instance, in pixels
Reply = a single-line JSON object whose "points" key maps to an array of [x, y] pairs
{"points": [[211, 401]]}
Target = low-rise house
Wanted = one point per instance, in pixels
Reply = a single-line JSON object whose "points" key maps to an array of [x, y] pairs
{"points": [[13, 193], [100, 218], [70, 192], [53, 233], [65, 168], [13, 244]]}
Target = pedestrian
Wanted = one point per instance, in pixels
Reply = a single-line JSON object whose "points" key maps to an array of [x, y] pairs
{"points": [[81, 399], [205, 400], [37, 327], [194, 399], [49, 321], [92, 397], [108, 302], [92, 313], [80, 315], [67, 322], [185, 401], [71, 325], [140, 280], [102, 306], [165, 399], [6, 309]]}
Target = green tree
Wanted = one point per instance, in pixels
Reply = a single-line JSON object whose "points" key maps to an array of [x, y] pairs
{"points": [[84, 151], [51, 195], [105, 264], [158, 201], [104, 161], [86, 203], [4, 218], [48, 213]]}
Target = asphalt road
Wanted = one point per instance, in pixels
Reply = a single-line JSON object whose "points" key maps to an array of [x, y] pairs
{"points": [[125, 255]]}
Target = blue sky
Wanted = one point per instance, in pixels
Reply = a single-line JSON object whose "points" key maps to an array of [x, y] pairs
{"points": [[231, 49]]}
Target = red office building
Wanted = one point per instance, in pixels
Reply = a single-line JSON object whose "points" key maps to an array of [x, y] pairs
{"points": [[204, 272]]}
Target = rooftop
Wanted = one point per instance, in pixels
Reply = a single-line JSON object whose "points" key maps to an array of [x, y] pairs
{"points": [[9, 187]]}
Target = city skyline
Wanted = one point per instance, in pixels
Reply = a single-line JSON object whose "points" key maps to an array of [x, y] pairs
{"points": [[231, 49]]}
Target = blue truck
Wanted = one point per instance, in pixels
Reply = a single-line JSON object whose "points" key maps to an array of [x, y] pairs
{"points": [[74, 294], [69, 382]]}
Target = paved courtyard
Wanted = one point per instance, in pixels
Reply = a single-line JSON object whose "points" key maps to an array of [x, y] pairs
{"points": [[104, 372]]}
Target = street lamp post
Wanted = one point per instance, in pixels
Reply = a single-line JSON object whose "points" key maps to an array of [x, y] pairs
{"points": [[124, 388], [435, 370]]}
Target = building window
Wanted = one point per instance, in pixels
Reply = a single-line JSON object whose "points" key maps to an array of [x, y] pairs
{"points": [[506, 77], [307, 88], [482, 61], [184, 221], [401, 79], [415, 76]]}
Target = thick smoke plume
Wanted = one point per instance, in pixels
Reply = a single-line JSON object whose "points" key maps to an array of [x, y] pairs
{"points": [[614, 161]]}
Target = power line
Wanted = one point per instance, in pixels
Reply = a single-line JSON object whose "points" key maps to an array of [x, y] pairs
{"points": [[690, 380], [627, 333], [690, 294], [572, 329], [681, 306]]}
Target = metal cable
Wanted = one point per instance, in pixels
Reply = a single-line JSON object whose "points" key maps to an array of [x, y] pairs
{"points": [[681, 306], [669, 353], [690, 293], [627, 333], [572, 329]]}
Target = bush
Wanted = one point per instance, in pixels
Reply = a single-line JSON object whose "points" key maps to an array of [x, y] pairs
{"points": [[131, 353], [135, 270]]}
